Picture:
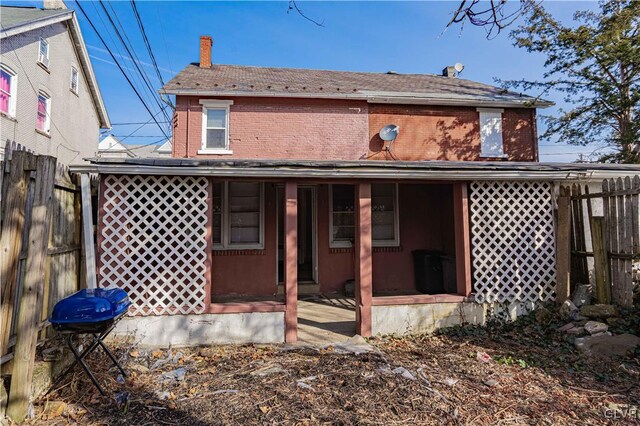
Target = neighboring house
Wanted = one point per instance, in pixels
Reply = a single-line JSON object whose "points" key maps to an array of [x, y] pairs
{"points": [[112, 147], [50, 102], [280, 185]]}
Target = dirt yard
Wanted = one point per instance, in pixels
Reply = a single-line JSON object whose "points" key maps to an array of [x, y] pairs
{"points": [[519, 373]]}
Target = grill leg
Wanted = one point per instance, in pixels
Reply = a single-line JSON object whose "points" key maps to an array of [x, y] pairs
{"points": [[80, 359], [113, 358]]}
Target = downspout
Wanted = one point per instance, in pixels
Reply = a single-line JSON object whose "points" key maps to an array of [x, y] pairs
{"points": [[536, 142], [186, 153]]}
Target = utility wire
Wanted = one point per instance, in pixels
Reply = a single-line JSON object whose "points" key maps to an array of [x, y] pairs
{"points": [[143, 74], [120, 67]]}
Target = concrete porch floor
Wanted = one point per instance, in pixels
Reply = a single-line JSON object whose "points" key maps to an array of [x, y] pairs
{"points": [[323, 319]]}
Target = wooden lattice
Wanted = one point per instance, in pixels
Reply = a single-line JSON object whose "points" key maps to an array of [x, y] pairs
{"points": [[513, 243], [153, 231]]}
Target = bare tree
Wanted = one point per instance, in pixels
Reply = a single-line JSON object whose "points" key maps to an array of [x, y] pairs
{"points": [[493, 15]]}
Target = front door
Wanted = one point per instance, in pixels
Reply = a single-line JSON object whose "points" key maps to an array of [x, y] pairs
{"points": [[307, 270]]}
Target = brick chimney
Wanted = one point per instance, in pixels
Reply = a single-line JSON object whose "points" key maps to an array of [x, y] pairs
{"points": [[54, 4], [205, 51], [449, 72]]}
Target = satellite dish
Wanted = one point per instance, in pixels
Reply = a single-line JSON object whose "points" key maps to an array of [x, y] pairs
{"points": [[389, 133], [458, 67]]}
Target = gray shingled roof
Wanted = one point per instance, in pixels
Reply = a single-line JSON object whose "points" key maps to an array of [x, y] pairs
{"points": [[262, 81], [14, 16]]}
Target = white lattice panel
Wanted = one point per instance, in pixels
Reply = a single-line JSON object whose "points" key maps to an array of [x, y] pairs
{"points": [[153, 231], [512, 239]]}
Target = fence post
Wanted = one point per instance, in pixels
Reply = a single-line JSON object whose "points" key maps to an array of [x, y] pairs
{"points": [[600, 261], [31, 301], [11, 243], [87, 232], [563, 246]]}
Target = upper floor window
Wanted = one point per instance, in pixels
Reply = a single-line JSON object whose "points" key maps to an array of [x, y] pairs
{"points": [[73, 84], [8, 80], [384, 215], [491, 132], [43, 52], [238, 215], [44, 112], [215, 127]]}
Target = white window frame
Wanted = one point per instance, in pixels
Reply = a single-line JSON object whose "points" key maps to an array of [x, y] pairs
{"points": [[43, 59], [74, 70], [487, 114], [224, 105], [376, 243], [47, 123], [13, 90], [225, 235]]}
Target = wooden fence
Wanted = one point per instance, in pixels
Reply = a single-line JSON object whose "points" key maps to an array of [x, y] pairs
{"points": [[612, 240]]}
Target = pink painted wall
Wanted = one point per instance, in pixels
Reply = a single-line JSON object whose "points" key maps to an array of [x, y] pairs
{"points": [[271, 128]]}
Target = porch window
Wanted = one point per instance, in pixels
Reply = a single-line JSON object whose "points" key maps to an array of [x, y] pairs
{"points": [[43, 112], [215, 127], [8, 81], [384, 215], [491, 132], [73, 84], [238, 215]]}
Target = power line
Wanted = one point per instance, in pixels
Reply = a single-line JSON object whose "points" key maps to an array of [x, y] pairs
{"points": [[139, 122], [120, 67]]}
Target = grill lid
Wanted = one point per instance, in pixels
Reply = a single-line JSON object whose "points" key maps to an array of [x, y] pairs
{"points": [[90, 305]]}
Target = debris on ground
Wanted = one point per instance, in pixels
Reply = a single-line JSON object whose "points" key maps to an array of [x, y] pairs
{"points": [[521, 372]]}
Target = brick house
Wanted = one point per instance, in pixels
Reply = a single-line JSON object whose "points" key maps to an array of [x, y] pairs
{"points": [[280, 185]]}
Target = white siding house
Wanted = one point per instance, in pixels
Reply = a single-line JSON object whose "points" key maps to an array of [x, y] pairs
{"points": [[50, 102]]}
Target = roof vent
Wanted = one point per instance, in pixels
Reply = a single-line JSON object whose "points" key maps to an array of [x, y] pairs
{"points": [[392, 72]]}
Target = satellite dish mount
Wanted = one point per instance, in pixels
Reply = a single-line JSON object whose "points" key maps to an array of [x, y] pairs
{"points": [[389, 134]]}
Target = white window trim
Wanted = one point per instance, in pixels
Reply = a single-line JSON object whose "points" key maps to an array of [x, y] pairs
{"points": [[379, 243], [484, 154], [221, 105], [47, 127], [13, 91], [225, 235], [76, 90], [43, 59]]}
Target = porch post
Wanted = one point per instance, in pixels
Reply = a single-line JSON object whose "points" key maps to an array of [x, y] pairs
{"points": [[291, 261], [364, 262], [462, 238]]}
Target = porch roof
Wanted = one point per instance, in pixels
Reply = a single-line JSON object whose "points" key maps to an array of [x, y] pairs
{"points": [[358, 169]]}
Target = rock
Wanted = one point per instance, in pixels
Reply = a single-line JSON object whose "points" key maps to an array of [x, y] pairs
{"points": [[52, 354], [177, 374], [599, 311], [576, 331], [543, 316], [267, 370], [490, 382], [568, 310], [138, 367], [356, 345], [613, 321], [605, 345], [582, 295], [566, 327], [404, 373], [594, 327]]}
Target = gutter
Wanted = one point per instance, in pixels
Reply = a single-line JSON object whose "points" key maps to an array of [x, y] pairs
{"points": [[371, 97], [35, 24]]}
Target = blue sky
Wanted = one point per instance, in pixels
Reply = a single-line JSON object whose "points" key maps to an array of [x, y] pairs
{"points": [[408, 37]]}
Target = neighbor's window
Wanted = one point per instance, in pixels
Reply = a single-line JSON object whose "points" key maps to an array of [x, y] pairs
{"points": [[238, 211], [384, 215], [8, 80], [44, 112], [491, 132], [43, 52], [215, 127], [73, 84]]}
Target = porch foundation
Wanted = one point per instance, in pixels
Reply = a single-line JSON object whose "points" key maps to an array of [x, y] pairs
{"points": [[427, 318], [206, 329]]}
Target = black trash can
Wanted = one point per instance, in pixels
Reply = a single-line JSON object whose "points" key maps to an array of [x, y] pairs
{"points": [[428, 271]]}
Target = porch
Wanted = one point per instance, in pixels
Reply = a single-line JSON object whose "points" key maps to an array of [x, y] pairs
{"points": [[225, 255]]}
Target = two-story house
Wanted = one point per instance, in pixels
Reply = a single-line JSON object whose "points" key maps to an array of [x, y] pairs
{"points": [[424, 190], [50, 102]]}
